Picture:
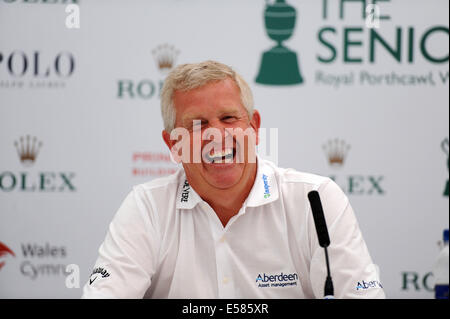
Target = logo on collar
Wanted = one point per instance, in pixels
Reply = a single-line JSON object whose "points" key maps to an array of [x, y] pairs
{"points": [[185, 192], [266, 186]]}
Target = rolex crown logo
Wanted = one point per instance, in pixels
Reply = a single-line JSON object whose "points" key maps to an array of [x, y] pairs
{"points": [[27, 148], [165, 56], [336, 151]]}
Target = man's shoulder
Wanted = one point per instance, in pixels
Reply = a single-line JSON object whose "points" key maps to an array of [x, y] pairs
{"points": [[166, 183], [158, 196]]}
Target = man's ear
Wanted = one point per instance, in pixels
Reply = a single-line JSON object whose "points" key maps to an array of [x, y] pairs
{"points": [[255, 123], [172, 150], [174, 145], [167, 140]]}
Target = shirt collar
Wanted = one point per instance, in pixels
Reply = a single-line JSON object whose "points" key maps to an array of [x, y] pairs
{"points": [[264, 190], [187, 197]]}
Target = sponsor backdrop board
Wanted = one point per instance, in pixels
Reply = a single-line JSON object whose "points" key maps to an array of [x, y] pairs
{"points": [[355, 91]]}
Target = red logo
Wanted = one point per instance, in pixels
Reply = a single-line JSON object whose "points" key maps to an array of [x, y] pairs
{"points": [[4, 250]]}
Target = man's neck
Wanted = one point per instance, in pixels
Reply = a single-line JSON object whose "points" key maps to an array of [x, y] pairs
{"points": [[227, 203]]}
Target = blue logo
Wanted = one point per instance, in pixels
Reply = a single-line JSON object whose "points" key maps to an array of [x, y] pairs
{"points": [[368, 284], [280, 280], [266, 186]]}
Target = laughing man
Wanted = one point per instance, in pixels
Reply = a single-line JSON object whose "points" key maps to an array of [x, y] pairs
{"points": [[227, 224]]}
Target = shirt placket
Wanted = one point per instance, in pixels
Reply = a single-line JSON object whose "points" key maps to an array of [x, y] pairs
{"points": [[225, 280]]}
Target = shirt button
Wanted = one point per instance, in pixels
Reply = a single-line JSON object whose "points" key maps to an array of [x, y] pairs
{"points": [[222, 239], [226, 280]]}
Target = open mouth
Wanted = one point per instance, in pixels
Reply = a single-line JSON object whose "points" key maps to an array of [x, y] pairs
{"points": [[223, 156]]}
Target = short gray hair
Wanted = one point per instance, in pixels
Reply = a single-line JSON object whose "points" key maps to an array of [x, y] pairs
{"points": [[186, 77]]}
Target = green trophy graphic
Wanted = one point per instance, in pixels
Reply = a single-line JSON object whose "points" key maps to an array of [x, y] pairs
{"points": [[444, 146], [279, 65]]}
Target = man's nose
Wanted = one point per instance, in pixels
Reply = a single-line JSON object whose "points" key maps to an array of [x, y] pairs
{"points": [[217, 123], [217, 130], [218, 126]]}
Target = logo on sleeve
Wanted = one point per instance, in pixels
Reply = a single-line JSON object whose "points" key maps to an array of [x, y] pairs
{"points": [[364, 285], [99, 271]]}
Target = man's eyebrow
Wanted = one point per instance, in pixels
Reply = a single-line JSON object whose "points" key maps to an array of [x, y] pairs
{"points": [[230, 112], [188, 120]]}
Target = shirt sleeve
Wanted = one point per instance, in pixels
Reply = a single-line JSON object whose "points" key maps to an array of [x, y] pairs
{"points": [[128, 257], [352, 270]]}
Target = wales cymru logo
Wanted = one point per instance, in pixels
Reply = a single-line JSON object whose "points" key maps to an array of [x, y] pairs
{"points": [[4, 251], [444, 146], [279, 65]]}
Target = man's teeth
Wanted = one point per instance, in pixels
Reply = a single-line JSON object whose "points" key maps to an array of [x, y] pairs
{"points": [[217, 157], [222, 153]]}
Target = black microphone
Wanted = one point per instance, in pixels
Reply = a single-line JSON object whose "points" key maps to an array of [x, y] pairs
{"points": [[324, 238]]}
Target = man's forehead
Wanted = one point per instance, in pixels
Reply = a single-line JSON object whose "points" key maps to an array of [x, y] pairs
{"points": [[208, 100], [226, 88]]}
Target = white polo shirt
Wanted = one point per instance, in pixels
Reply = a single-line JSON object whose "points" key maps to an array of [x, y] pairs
{"points": [[166, 242]]}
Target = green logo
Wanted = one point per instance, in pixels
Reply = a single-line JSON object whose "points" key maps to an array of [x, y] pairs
{"points": [[414, 281], [279, 65], [444, 146], [28, 148]]}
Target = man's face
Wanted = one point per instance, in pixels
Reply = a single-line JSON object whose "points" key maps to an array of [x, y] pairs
{"points": [[220, 159]]}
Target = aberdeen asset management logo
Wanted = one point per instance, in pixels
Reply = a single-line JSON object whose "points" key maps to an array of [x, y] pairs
{"points": [[277, 280], [364, 285]]}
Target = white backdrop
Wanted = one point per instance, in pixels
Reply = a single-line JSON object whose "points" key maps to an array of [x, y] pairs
{"points": [[89, 97]]}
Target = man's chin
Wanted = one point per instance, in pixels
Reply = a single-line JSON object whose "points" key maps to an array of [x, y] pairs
{"points": [[222, 175]]}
